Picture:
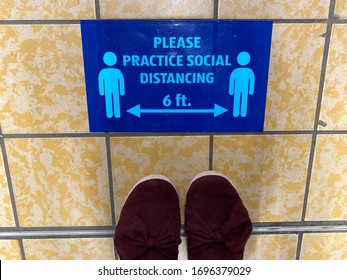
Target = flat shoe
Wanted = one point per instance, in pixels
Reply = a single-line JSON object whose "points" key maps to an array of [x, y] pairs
{"points": [[149, 225], [217, 224]]}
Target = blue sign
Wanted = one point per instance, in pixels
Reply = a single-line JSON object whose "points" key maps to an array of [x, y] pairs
{"points": [[175, 75]]}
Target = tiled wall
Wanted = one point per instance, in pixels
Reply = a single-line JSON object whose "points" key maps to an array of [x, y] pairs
{"points": [[62, 188]]}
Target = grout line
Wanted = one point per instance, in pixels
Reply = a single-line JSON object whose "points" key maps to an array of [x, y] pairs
{"points": [[22, 250], [309, 176], [54, 135], [299, 246], [341, 21], [303, 21], [112, 196], [107, 232], [8, 177], [97, 9], [210, 158], [325, 62], [45, 22], [318, 108], [216, 9], [110, 178], [10, 189], [154, 134], [299, 223], [215, 17], [49, 234], [331, 132], [299, 229], [333, 19]]}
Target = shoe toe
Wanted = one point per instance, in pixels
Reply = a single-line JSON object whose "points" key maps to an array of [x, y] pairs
{"points": [[149, 224]]}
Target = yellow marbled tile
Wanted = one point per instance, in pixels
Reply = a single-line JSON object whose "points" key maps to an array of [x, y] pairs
{"points": [[69, 249], [341, 8], [6, 213], [271, 247], [178, 158], [156, 9], [43, 9], [60, 182], [9, 250], [327, 198], [334, 103], [268, 171], [42, 79], [295, 68], [269, 9], [324, 246]]}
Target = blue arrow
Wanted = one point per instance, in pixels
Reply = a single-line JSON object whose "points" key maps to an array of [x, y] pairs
{"points": [[137, 111]]}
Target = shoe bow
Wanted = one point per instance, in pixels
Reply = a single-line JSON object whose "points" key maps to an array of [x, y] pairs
{"points": [[133, 238], [233, 234]]}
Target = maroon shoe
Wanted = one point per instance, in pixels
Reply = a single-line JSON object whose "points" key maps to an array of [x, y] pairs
{"points": [[217, 224], [150, 224]]}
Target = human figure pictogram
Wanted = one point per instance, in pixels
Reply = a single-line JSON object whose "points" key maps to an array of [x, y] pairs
{"points": [[111, 85], [241, 84]]}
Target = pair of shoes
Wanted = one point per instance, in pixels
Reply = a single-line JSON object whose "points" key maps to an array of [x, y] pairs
{"points": [[217, 224]]}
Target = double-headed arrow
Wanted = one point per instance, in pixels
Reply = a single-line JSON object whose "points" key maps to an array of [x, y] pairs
{"points": [[137, 111]]}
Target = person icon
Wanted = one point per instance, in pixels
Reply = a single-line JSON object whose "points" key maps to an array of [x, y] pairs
{"points": [[111, 85], [241, 84]]}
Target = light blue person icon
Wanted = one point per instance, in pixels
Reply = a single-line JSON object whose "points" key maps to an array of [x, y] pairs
{"points": [[111, 85], [241, 84]]}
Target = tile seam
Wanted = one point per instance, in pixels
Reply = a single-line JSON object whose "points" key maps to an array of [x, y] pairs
{"points": [[49, 234], [108, 233], [22, 249], [299, 246], [210, 160], [110, 178], [215, 17], [216, 9], [97, 9], [43, 22], [318, 108], [111, 186], [300, 230], [8, 178], [322, 223], [10, 190], [317, 116], [149, 134]]}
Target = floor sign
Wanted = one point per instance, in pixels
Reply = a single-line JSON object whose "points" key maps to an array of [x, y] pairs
{"points": [[175, 75]]}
